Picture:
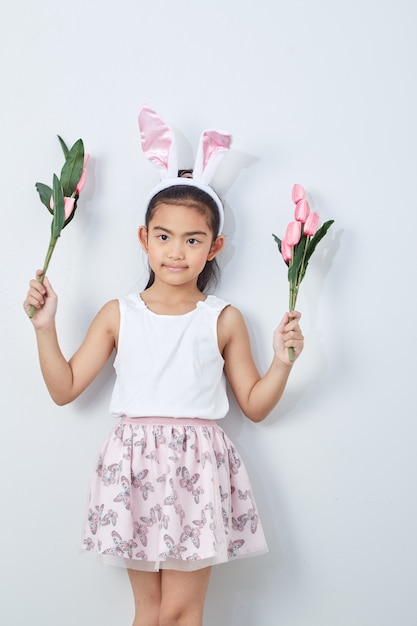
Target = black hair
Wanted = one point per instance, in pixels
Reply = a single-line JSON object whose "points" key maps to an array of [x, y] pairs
{"points": [[198, 199]]}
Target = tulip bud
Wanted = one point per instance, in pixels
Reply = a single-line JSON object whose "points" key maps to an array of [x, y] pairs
{"points": [[311, 224], [298, 193], [286, 251], [81, 182], [302, 209], [68, 206], [293, 233]]}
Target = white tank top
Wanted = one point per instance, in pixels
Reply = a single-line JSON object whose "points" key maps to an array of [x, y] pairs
{"points": [[169, 365]]}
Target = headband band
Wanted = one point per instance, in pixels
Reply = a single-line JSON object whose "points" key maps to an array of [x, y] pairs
{"points": [[159, 147]]}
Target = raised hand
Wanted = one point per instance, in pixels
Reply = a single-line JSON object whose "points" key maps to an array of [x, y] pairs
{"points": [[44, 299]]}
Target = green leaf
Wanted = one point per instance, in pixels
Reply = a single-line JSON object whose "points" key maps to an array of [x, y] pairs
{"points": [[297, 260], [278, 242], [45, 195], [64, 147], [316, 239], [72, 169], [59, 214]]}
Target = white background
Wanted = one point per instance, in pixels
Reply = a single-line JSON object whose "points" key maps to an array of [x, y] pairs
{"points": [[318, 92]]}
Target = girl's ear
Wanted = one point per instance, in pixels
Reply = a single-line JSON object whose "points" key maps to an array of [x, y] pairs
{"points": [[216, 247], [143, 237]]}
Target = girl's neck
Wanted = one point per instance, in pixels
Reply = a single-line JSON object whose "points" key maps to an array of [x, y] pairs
{"points": [[172, 300]]}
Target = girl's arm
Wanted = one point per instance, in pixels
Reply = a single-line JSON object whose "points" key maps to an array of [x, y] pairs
{"points": [[257, 395], [66, 380]]}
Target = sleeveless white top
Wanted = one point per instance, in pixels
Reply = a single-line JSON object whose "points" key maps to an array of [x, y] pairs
{"points": [[169, 365]]}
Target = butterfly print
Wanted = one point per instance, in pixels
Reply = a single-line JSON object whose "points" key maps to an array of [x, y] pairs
{"points": [[174, 550], [205, 458], [165, 521], [220, 459], [239, 523], [223, 496], [234, 547], [89, 543], [128, 442], [194, 557], [243, 495], [142, 444], [121, 548], [151, 520], [137, 480], [178, 442], [110, 474], [197, 493], [254, 519], [180, 512], [93, 519], [187, 481], [124, 496], [171, 499], [159, 437], [140, 530], [143, 488], [109, 518], [234, 461], [141, 555], [200, 523], [225, 518], [119, 430], [191, 533]]}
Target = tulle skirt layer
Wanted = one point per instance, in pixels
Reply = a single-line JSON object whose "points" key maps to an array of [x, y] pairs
{"points": [[171, 493]]}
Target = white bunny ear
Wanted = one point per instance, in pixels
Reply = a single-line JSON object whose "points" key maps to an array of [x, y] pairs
{"points": [[158, 142], [212, 147]]}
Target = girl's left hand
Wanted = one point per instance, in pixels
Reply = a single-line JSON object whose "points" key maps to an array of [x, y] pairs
{"points": [[288, 335]]}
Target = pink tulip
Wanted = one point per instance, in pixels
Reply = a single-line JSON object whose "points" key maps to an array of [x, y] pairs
{"points": [[311, 224], [302, 209], [68, 206], [286, 251], [298, 193], [81, 182], [293, 233]]}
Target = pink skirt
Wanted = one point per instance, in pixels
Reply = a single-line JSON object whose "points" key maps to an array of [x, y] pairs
{"points": [[171, 493]]}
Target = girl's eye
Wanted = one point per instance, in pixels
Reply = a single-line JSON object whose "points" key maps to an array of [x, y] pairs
{"points": [[163, 237], [193, 242]]}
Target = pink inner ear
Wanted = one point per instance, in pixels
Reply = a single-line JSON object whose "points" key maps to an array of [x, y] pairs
{"points": [[213, 141], [156, 137]]}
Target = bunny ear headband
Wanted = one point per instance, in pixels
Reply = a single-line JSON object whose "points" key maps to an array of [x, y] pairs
{"points": [[159, 147]]}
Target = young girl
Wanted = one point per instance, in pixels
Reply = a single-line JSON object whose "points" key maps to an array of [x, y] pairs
{"points": [[170, 497]]}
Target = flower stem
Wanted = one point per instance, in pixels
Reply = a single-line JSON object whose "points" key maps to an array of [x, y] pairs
{"points": [[52, 243], [293, 300]]}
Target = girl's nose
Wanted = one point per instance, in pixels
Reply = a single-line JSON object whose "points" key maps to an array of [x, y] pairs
{"points": [[176, 251]]}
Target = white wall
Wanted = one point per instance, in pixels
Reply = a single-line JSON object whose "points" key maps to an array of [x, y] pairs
{"points": [[322, 93]]}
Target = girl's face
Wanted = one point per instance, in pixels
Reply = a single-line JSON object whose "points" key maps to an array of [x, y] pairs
{"points": [[178, 242]]}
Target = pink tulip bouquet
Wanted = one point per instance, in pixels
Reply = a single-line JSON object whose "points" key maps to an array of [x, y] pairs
{"points": [[299, 243], [61, 199]]}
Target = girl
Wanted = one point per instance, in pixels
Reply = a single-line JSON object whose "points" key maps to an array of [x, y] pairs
{"points": [[170, 496]]}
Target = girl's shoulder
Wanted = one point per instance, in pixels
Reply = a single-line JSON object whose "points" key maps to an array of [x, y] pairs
{"points": [[108, 318], [215, 303], [231, 327]]}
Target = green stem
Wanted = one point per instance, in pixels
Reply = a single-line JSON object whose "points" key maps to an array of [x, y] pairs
{"points": [[293, 301], [52, 243]]}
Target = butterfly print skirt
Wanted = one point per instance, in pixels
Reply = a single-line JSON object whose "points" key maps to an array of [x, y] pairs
{"points": [[171, 493]]}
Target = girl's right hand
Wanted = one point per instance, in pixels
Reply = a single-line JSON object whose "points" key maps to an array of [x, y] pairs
{"points": [[45, 301]]}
